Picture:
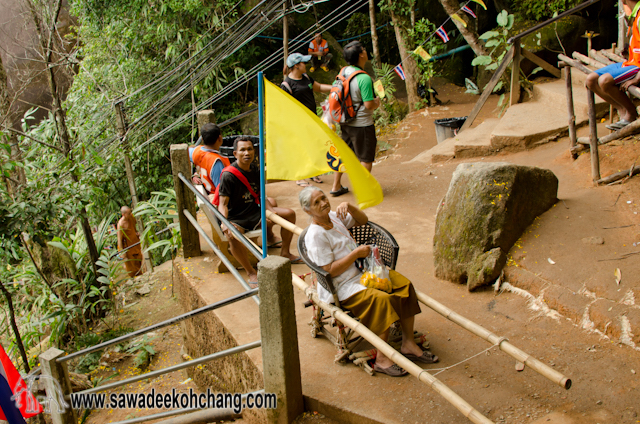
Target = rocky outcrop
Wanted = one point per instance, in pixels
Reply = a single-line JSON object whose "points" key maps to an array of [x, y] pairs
{"points": [[487, 208]]}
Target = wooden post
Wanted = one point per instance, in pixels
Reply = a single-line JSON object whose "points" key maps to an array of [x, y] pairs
{"points": [[488, 89], [285, 33], [622, 29], [515, 74], [122, 131], [185, 199], [58, 385], [570, 108], [279, 335], [593, 137]]}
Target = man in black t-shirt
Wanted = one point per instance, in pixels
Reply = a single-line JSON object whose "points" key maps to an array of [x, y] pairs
{"points": [[242, 208], [301, 86]]}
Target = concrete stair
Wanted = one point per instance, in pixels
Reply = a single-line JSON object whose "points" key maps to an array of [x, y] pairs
{"points": [[523, 126]]}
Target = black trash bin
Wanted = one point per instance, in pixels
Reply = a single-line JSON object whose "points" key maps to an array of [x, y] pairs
{"points": [[226, 149], [448, 127]]}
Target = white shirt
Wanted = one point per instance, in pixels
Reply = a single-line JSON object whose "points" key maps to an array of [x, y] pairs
{"points": [[327, 246]]}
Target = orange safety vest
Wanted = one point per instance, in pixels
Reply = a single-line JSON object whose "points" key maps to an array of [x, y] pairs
{"points": [[206, 160], [634, 43], [314, 47]]}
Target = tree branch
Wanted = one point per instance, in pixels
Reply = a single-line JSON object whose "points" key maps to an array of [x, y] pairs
{"points": [[34, 139]]}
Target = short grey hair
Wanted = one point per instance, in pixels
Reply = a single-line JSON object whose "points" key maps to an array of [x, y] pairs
{"points": [[305, 196]]}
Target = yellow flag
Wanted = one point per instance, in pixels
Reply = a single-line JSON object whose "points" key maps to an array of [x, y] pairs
{"points": [[299, 145], [422, 53], [379, 88], [455, 17], [481, 3]]}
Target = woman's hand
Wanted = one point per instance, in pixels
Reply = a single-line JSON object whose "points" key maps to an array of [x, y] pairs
{"points": [[342, 210], [362, 251]]}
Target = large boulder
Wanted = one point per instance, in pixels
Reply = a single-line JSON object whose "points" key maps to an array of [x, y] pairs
{"points": [[487, 208]]}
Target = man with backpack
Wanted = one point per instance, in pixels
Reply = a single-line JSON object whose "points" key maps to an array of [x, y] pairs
{"points": [[239, 202], [356, 124]]}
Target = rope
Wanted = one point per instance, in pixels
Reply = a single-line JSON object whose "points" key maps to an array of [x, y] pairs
{"points": [[440, 370]]}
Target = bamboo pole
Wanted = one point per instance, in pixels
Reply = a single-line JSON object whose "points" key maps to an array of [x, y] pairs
{"points": [[421, 374], [600, 58], [593, 137], [465, 323], [612, 56], [502, 343], [587, 60]]}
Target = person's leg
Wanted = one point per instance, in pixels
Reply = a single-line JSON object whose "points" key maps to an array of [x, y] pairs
{"points": [[239, 252], [364, 145], [381, 360], [367, 165], [326, 59], [408, 343], [286, 235], [337, 176], [271, 237], [626, 108]]}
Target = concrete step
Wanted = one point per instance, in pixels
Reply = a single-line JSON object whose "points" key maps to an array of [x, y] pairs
{"points": [[470, 143], [555, 92]]}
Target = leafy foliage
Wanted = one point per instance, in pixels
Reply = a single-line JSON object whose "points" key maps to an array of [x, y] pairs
{"points": [[538, 10]]}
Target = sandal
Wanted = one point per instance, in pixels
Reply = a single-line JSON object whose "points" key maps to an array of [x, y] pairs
{"points": [[426, 358], [316, 180], [343, 190], [394, 370], [618, 125], [296, 261], [303, 183], [277, 243]]}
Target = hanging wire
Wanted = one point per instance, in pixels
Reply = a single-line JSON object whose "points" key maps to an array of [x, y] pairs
{"points": [[332, 19]]}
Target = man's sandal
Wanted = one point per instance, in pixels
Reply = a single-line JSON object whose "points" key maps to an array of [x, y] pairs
{"points": [[616, 126], [426, 358]]}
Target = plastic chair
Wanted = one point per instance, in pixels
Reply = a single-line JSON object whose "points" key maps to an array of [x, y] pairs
{"points": [[369, 233]]}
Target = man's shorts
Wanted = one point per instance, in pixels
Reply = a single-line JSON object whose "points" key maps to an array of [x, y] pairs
{"points": [[362, 140], [619, 73], [249, 223]]}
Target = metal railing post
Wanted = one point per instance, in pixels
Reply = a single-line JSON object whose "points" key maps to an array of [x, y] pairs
{"points": [[279, 334], [58, 386], [184, 197]]}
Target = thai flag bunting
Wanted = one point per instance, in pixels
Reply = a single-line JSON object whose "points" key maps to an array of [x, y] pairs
{"points": [[399, 71], [469, 11], [442, 34], [16, 401]]}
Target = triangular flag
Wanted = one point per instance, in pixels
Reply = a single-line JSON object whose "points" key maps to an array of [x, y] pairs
{"points": [[379, 88], [455, 17], [481, 3], [469, 11], [422, 53], [299, 145], [16, 401]]}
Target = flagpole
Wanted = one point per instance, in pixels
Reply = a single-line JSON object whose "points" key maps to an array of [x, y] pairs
{"points": [[263, 180]]}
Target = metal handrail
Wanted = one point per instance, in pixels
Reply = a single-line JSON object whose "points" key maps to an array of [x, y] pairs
{"points": [[170, 321], [219, 253], [238, 235], [552, 20], [178, 367]]}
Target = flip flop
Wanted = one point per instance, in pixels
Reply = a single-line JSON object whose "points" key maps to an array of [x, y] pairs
{"points": [[394, 370], [343, 190], [618, 125], [316, 180], [274, 244], [303, 183], [253, 284], [426, 358], [297, 260]]}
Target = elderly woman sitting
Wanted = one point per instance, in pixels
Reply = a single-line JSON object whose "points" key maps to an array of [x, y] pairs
{"points": [[330, 246]]}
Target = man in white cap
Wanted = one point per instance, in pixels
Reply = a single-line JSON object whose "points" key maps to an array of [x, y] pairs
{"points": [[301, 86]]}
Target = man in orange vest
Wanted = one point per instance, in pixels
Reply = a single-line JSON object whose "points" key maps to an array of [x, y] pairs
{"points": [[319, 51], [613, 81], [208, 158]]}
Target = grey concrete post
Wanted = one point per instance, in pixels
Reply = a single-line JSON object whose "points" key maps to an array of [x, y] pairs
{"points": [[206, 117], [57, 385], [185, 199], [279, 333]]}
